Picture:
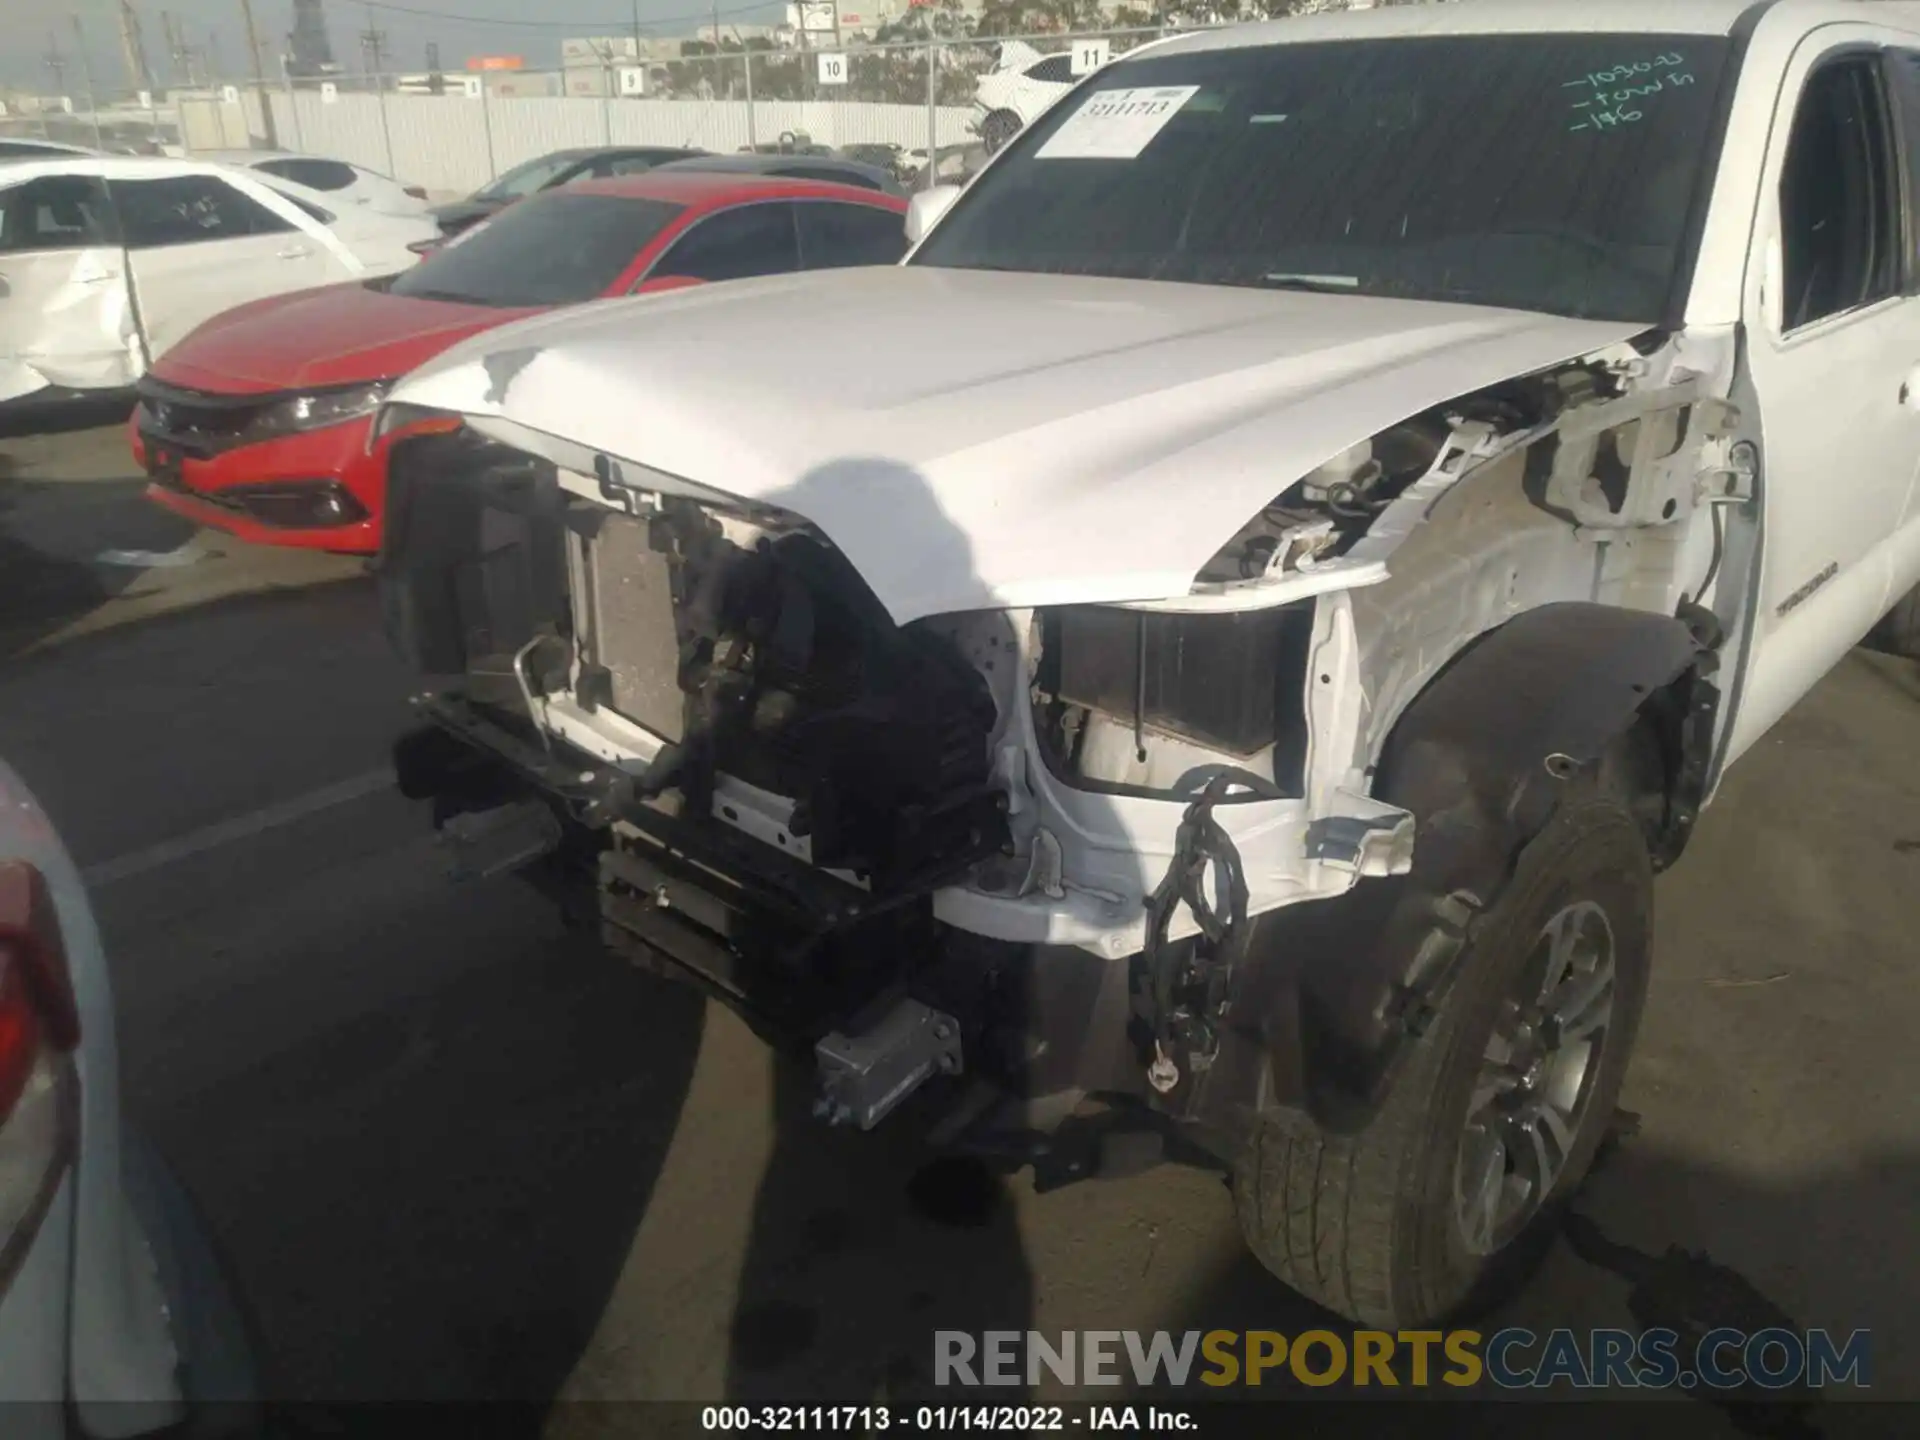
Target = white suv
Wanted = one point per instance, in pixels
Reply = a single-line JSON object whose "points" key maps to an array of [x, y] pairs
{"points": [[1021, 85], [1275, 573]]}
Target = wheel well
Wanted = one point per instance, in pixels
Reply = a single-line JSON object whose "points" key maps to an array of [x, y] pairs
{"points": [[1642, 765], [1562, 699]]}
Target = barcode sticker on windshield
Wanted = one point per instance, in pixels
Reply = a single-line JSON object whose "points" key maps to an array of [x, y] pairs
{"points": [[1116, 124]]}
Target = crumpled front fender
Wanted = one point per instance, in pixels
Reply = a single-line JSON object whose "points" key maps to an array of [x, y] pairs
{"points": [[1334, 989]]}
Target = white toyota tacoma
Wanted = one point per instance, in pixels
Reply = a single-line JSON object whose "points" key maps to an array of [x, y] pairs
{"points": [[1210, 653]]}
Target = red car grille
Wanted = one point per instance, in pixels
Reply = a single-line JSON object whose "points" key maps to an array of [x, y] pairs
{"points": [[197, 423]]}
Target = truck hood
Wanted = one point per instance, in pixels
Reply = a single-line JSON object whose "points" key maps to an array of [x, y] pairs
{"points": [[972, 439], [311, 339]]}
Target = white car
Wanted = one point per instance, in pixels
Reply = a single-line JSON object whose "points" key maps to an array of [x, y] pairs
{"points": [[106, 262], [1278, 569], [1021, 85], [339, 182], [111, 1301]]}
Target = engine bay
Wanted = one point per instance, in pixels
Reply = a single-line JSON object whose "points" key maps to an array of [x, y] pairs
{"points": [[753, 674], [763, 657]]}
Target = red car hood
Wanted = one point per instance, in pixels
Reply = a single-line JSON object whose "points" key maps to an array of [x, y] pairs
{"points": [[311, 339]]}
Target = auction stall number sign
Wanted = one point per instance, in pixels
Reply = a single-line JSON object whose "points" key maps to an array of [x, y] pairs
{"points": [[1090, 55]]}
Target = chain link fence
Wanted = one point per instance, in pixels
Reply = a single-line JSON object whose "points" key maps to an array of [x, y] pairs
{"points": [[903, 106]]}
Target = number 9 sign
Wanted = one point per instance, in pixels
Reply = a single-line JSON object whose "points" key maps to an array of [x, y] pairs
{"points": [[833, 68]]}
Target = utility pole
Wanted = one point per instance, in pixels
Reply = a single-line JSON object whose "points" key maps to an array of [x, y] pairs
{"points": [[170, 39], [259, 81], [57, 66], [133, 48], [180, 55], [86, 73], [373, 45], [636, 29]]}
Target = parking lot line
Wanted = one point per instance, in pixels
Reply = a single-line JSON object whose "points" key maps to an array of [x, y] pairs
{"points": [[240, 827]]}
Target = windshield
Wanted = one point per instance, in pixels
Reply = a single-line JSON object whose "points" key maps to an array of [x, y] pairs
{"points": [[551, 250], [526, 178], [1539, 172]]}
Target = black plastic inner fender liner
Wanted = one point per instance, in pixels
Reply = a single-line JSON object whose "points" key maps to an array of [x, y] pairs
{"points": [[1331, 991]]}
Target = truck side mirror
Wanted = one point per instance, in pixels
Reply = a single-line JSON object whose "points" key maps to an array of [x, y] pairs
{"points": [[925, 209]]}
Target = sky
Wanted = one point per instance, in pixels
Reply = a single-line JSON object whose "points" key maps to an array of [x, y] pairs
{"points": [[461, 28]]}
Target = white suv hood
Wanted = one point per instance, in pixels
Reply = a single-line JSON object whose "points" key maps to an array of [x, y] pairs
{"points": [[972, 439]]}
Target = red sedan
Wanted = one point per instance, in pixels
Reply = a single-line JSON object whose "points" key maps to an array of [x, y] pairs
{"points": [[257, 422]]}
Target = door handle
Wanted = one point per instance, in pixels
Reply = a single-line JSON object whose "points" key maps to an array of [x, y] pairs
{"points": [[294, 252], [1910, 389]]}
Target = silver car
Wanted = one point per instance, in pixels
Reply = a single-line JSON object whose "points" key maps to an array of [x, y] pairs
{"points": [[115, 1319]]}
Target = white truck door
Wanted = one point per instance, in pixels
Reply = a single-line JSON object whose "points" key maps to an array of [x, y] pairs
{"points": [[1905, 57], [199, 244], [1833, 346], [65, 319]]}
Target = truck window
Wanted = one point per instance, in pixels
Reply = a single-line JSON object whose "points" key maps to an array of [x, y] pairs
{"points": [[1838, 196], [1535, 172]]}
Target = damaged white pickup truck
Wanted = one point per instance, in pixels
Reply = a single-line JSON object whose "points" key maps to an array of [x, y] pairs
{"points": [[1210, 653]]}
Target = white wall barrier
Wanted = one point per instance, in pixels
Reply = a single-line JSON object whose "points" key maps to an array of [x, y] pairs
{"points": [[456, 144]]}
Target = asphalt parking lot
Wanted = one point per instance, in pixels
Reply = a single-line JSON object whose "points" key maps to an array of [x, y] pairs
{"points": [[453, 1152]]}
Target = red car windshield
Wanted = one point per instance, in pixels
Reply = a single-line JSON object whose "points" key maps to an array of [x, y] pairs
{"points": [[551, 250]]}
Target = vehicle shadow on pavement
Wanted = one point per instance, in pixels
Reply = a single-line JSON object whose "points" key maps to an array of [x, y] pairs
{"points": [[1660, 1239], [47, 578], [863, 1244], [66, 498], [782, 1259], [83, 549], [23, 418], [430, 1201]]}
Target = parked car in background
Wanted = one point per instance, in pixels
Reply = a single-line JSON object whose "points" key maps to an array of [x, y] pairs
{"points": [[108, 261], [340, 182], [828, 168], [257, 423], [888, 157], [1021, 85], [11, 149], [790, 142], [548, 172], [114, 1312], [952, 165]]}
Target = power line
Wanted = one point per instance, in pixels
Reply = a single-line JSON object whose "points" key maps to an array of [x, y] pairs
{"points": [[606, 26]]}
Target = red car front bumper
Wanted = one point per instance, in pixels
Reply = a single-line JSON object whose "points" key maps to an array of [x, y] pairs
{"points": [[211, 491]]}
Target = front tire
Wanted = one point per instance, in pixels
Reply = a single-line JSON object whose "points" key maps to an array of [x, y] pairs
{"points": [[1452, 1191], [997, 129]]}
